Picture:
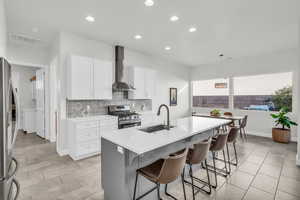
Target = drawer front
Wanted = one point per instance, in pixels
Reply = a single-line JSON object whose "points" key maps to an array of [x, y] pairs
{"points": [[87, 134], [88, 147], [83, 125]]}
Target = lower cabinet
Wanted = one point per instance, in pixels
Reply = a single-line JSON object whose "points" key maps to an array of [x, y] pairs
{"points": [[84, 136]]}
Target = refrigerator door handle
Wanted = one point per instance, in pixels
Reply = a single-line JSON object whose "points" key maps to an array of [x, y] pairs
{"points": [[17, 185], [14, 160], [17, 116]]}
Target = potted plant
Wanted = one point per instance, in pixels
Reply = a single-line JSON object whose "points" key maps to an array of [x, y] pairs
{"points": [[283, 133], [215, 112]]}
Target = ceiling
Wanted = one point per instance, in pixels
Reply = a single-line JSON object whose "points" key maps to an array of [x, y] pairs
{"points": [[235, 28]]}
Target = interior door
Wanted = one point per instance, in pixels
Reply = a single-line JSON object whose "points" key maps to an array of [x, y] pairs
{"points": [[40, 102]]}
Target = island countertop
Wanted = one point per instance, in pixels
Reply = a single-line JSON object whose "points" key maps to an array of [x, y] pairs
{"points": [[141, 142]]}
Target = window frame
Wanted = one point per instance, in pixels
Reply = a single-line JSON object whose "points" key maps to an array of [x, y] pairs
{"points": [[231, 92]]}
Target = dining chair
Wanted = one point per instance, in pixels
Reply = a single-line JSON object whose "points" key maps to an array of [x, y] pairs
{"points": [[229, 114], [242, 127]]}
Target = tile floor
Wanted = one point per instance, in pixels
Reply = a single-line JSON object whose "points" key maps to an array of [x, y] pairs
{"points": [[266, 171]]}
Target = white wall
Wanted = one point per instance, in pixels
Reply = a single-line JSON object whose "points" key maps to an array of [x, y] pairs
{"points": [[169, 74], [260, 122], [27, 54], [24, 86], [2, 30]]}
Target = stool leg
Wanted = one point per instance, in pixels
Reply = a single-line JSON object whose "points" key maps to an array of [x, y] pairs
{"points": [[183, 186], [225, 161], [158, 191], [228, 155], [215, 170], [208, 177], [235, 153], [192, 179], [135, 185]]}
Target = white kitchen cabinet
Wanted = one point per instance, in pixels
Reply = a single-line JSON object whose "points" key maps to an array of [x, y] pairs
{"points": [[103, 76], [143, 80], [89, 78], [80, 81], [150, 83], [84, 135]]}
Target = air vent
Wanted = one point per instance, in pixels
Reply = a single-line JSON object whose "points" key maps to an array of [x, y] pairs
{"points": [[24, 39]]}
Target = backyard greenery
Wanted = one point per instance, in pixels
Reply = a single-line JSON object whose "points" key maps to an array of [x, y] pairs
{"points": [[282, 119], [283, 98]]}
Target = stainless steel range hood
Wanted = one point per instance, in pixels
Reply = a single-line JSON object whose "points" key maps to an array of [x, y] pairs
{"points": [[120, 84]]}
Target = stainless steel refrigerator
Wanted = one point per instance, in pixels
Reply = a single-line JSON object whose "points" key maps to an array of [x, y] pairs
{"points": [[9, 186]]}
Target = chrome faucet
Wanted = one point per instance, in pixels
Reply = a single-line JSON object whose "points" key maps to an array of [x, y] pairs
{"points": [[168, 114]]}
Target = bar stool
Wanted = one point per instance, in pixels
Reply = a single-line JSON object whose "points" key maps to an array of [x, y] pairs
{"points": [[232, 137], [198, 155], [218, 145], [163, 171]]}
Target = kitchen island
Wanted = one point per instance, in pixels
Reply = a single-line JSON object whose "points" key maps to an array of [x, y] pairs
{"points": [[126, 150]]}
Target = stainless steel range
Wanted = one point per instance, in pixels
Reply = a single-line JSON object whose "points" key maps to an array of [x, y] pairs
{"points": [[126, 117]]}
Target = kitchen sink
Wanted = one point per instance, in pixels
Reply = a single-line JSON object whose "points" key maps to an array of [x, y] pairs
{"points": [[152, 129]]}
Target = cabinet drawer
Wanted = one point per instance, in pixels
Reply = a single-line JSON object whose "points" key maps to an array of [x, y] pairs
{"points": [[83, 125], [88, 147], [87, 134]]}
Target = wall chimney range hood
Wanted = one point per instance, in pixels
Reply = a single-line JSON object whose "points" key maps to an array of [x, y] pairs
{"points": [[120, 84]]}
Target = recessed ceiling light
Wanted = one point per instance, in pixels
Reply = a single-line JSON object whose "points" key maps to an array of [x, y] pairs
{"points": [[138, 37], [90, 18], [192, 29], [174, 18], [149, 3], [167, 48]]}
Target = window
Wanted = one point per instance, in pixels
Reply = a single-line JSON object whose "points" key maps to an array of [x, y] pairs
{"points": [[269, 92], [211, 93]]}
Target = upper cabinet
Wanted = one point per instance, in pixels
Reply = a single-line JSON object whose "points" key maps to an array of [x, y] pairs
{"points": [[89, 78], [103, 79], [143, 80]]}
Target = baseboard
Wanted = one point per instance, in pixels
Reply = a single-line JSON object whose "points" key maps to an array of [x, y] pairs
{"points": [[267, 135], [63, 152]]}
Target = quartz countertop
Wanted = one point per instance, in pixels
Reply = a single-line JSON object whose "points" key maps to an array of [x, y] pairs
{"points": [[141, 142]]}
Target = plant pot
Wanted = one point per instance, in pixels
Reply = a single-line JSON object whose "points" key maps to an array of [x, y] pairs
{"points": [[215, 114], [281, 135]]}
